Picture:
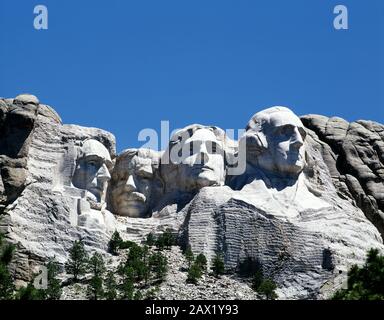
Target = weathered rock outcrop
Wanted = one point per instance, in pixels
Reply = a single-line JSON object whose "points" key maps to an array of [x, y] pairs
{"points": [[38, 154], [354, 154]]}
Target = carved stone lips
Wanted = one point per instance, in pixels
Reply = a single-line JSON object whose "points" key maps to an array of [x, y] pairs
{"points": [[134, 197], [202, 168]]}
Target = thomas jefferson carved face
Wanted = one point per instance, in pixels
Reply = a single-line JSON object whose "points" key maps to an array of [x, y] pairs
{"points": [[91, 171], [280, 135], [132, 184], [194, 159], [204, 159]]}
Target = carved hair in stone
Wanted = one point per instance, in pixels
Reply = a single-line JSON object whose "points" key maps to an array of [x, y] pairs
{"points": [[195, 159], [92, 170], [275, 142], [135, 184], [276, 158]]}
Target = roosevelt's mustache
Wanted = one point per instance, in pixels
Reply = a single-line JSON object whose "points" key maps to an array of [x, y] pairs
{"points": [[131, 196]]}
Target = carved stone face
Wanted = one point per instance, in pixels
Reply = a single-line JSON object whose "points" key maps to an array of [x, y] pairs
{"points": [[203, 159], [131, 189], [91, 171], [283, 135]]}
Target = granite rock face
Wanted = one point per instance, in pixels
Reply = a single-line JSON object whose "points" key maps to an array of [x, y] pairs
{"points": [[40, 208], [305, 206], [354, 154]]}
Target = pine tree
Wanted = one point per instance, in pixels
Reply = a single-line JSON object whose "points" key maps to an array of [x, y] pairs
{"points": [[264, 286], [257, 280], [189, 256], [30, 293], [366, 282], [201, 261], [6, 253], [97, 267], [150, 241], [115, 243], [95, 288], [53, 291], [159, 265], [168, 238], [127, 285], [6, 281], [194, 273], [218, 265], [110, 286], [267, 288], [160, 243], [77, 262]]}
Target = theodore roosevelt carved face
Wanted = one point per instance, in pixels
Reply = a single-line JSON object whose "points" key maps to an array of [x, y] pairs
{"points": [[132, 184]]}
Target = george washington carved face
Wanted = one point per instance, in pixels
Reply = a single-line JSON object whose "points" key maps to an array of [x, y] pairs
{"points": [[275, 141]]}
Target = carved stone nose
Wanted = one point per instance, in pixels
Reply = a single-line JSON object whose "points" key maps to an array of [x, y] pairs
{"points": [[130, 184], [297, 139], [103, 173], [202, 156]]}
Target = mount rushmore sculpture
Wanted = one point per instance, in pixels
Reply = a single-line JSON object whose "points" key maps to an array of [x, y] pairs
{"points": [[276, 199]]}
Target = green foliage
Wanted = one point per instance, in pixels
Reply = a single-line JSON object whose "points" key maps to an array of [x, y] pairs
{"points": [[127, 244], [159, 265], [189, 256], [7, 254], [151, 240], [117, 243], [110, 286], [114, 243], [201, 261], [151, 293], [6, 281], [95, 288], [139, 269], [366, 282], [194, 273], [77, 262], [257, 280], [267, 288], [127, 286], [138, 295], [53, 291], [96, 265], [264, 286], [139, 266], [196, 266], [30, 293], [218, 265], [136, 261], [166, 240]]}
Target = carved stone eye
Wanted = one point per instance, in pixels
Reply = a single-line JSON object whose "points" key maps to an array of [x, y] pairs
{"points": [[214, 147], [286, 130]]}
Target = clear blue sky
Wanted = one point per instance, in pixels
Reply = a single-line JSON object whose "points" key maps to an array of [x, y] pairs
{"points": [[127, 65]]}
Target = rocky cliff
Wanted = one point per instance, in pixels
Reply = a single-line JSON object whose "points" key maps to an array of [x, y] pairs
{"points": [[303, 221]]}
